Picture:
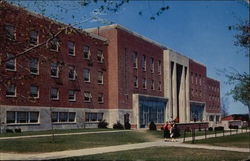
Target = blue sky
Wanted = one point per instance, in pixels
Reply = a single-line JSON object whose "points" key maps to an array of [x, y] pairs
{"points": [[197, 29]]}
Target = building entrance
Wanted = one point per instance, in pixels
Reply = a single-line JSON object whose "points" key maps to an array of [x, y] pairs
{"points": [[196, 111]]}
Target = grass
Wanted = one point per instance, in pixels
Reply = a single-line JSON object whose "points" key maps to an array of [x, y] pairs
{"points": [[166, 154], [238, 140], [27, 133], [43, 144]]}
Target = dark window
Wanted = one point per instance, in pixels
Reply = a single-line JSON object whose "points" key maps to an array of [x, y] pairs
{"points": [[72, 95], [11, 91], [71, 48], [100, 98], [10, 31], [33, 38], [100, 78], [54, 94], [144, 83], [22, 117], [135, 82], [54, 44], [152, 64], [144, 63], [34, 91], [34, 66], [86, 75], [86, 52], [135, 60], [54, 69], [11, 117], [72, 72], [87, 97], [11, 63], [100, 57]]}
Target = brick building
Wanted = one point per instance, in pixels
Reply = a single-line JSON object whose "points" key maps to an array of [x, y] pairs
{"points": [[81, 77]]}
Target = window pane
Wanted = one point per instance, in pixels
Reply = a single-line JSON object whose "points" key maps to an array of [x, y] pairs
{"points": [[100, 57], [86, 75], [100, 98], [34, 116], [63, 116], [10, 31], [54, 44], [54, 116], [144, 63], [54, 69], [100, 78], [22, 117], [34, 65], [11, 90], [10, 64], [34, 91], [135, 60], [72, 116], [72, 72], [72, 95], [33, 37], [86, 52], [54, 93], [71, 48], [87, 96], [10, 117]]}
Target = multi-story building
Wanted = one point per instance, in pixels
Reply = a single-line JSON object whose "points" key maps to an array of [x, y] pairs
{"points": [[70, 78]]}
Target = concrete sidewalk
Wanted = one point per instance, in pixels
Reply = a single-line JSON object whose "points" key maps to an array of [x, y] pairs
{"points": [[100, 150]]}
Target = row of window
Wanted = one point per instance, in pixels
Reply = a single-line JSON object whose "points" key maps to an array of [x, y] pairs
{"points": [[144, 84], [196, 79], [54, 94], [10, 32], [144, 63], [196, 92], [213, 88], [26, 117], [54, 71]]}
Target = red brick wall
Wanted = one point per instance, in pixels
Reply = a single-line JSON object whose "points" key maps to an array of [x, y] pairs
{"points": [[25, 22], [213, 96]]}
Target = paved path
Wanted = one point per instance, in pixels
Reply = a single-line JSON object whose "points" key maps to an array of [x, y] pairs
{"points": [[99, 150]]}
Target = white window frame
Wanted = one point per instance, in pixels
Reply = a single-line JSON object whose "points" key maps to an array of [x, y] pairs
{"points": [[100, 95], [36, 91], [100, 56], [33, 41], [152, 65], [97, 115], [57, 114], [144, 82], [10, 62], [144, 63], [28, 117], [74, 96], [72, 67], [52, 43], [57, 70], [152, 85], [71, 48], [37, 66], [7, 31], [135, 83], [57, 94], [135, 60], [88, 72], [88, 95], [159, 67], [10, 86], [100, 75], [86, 52]]}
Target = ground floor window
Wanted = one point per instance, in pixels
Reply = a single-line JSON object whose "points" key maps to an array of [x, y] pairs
{"points": [[151, 109], [22, 117], [63, 116], [211, 118], [196, 111], [93, 116]]}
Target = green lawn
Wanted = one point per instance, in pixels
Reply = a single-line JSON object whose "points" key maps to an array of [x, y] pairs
{"points": [[238, 140], [166, 154], [55, 131], [43, 144]]}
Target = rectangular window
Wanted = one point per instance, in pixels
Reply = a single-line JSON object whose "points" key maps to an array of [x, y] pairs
{"points": [[100, 98], [55, 116], [152, 84], [152, 64], [34, 92], [72, 116], [100, 78], [33, 38], [87, 96], [159, 67], [54, 44], [100, 57], [54, 94], [11, 91], [135, 82], [11, 63], [63, 116], [22, 117], [159, 85], [34, 66], [93, 117], [211, 118], [86, 52], [86, 75], [10, 31], [144, 83], [54, 70], [72, 72], [144, 63], [72, 95], [71, 48], [135, 60]]}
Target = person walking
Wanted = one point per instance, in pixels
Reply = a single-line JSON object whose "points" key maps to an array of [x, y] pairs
{"points": [[166, 133]]}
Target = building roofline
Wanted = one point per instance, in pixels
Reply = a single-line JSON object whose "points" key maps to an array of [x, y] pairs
{"points": [[198, 62], [29, 12], [213, 79], [114, 26]]}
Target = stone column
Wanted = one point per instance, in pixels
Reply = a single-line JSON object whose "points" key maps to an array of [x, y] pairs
{"points": [[187, 97], [174, 91], [182, 97]]}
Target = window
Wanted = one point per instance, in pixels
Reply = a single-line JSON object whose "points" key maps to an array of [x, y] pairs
{"points": [[87, 97], [22, 117], [11, 91], [34, 68], [100, 57], [200, 79], [54, 70], [135, 60], [11, 63], [144, 63], [10, 31], [100, 78], [34, 92], [54, 94], [72, 95], [71, 48], [63, 116], [72, 72], [86, 75], [100, 98], [196, 78], [159, 85], [152, 64], [86, 52], [144, 83], [211, 118], [93, 117], [159, 67], [152, 84], [54, 44], [135, 82], [33, 38]]}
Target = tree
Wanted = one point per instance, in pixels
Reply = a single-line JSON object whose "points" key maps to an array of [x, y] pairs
{"points": [[224, 106]]}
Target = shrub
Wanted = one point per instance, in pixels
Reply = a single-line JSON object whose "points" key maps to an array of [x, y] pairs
{"points": [[103, 124], [152, 126], [210, 129], [127, 125], [219, 128], [118, 125], [18, 130], [9, 131], [233, 127]]}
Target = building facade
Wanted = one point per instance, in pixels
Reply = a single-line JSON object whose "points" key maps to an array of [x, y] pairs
{"points": [[56, 75]]}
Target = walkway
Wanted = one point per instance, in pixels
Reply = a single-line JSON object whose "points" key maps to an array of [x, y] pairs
{"points": [[99, 150]]}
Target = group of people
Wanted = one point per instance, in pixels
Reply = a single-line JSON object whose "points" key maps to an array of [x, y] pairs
{"points": [[169, 131]]}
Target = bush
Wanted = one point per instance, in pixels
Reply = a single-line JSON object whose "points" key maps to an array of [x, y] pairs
{"points": [[9, 131], [118, 125], [210, 129], [103, 124], [219, 128], [152, 126], [233, 127], [19, 130], [127, 125]]}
